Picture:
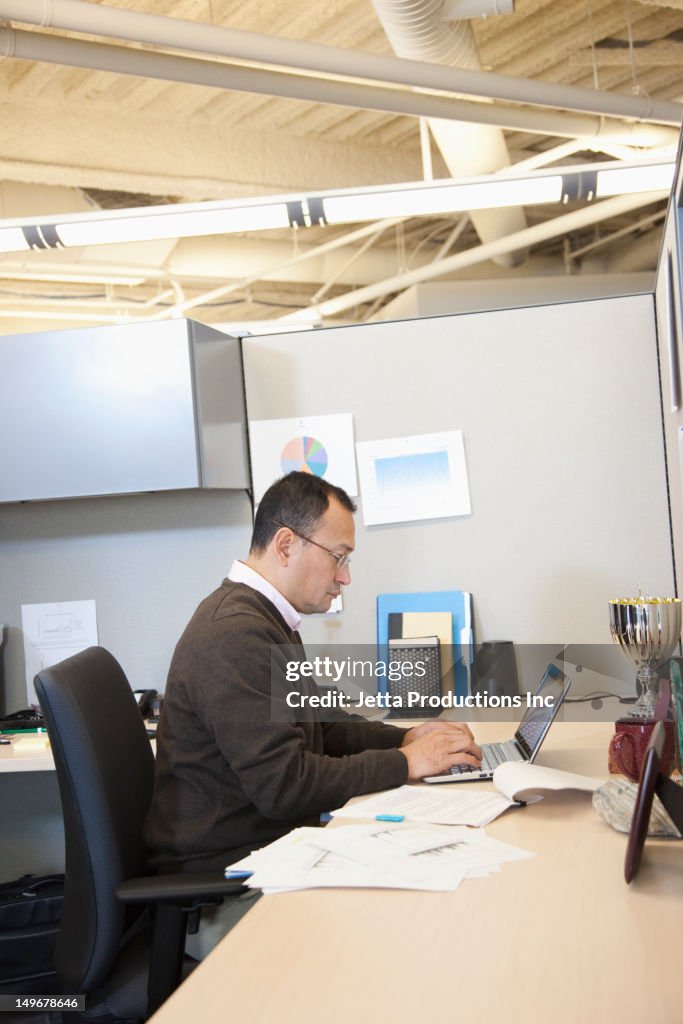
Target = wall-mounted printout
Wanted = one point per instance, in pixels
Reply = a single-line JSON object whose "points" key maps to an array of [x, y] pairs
{"points": [[408, 478], [322, 445], [53, 632]]}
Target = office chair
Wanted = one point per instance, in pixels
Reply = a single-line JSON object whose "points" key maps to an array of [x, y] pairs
{"points": [[125, 958]]}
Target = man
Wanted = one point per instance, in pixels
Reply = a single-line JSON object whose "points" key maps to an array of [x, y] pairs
{"points": [[231, 778]]}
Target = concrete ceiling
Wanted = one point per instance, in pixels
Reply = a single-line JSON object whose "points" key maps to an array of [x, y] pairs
{"points": [[76, 138]]}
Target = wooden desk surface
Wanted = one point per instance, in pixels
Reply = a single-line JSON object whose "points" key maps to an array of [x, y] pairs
{"points": [[39, 759], [558, 937]]}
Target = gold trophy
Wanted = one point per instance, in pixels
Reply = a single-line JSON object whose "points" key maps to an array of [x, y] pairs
{"points": [[647, 629]]}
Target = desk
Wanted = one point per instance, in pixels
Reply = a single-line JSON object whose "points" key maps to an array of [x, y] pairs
{"points": [[13, 761], [575, 943], [33, 839]]}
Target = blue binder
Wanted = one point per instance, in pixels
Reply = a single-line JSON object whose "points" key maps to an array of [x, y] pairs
{"points": [[458, 603]]}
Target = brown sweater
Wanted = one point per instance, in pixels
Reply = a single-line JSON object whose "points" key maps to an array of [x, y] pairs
{"points": [[228, 777]]}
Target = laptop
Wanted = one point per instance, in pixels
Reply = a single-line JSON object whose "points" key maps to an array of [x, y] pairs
{"points": [[526, 742]]}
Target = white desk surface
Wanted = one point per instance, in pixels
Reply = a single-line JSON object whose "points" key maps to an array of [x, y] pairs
{"points": [[36, 760], [559, 937]]}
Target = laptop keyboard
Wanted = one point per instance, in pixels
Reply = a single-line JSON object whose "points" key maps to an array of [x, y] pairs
{"points": [[493, 755]]}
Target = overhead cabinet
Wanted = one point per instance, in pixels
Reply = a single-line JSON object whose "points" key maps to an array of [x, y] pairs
{"points": [[113, 410]]}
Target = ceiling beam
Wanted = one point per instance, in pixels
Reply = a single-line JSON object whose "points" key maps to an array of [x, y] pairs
{"points": [[323, 61], [65, 142]]}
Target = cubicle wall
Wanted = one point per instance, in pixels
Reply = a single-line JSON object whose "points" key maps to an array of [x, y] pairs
{"points": [[670, 335], [146, 559], [560, 410]]}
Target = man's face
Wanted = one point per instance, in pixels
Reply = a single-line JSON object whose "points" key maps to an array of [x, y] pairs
{"points": [[314, 577]]}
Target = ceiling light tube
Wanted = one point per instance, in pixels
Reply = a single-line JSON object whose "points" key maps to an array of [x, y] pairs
{"points": [[620, 181], [12, 240], [442, 199], [409, 199], [174, 225]]}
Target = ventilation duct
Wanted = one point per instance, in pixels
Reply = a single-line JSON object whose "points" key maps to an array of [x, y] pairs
{"points": [[415, 30]]}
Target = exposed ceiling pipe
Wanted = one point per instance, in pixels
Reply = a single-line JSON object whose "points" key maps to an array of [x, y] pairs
{"points": [[589, 214], [609, 239], [232, 44], [126, 61], [676, 4], [262, 274], [640, 254], [549, 156], [415, 31], [461, 9], [38, 269]]}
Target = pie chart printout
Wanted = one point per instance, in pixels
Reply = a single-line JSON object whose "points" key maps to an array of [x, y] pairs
{"points": [[305, 454]]}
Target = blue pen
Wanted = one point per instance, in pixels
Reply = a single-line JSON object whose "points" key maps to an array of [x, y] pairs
{"points": [[238, 874], [389, 817]]}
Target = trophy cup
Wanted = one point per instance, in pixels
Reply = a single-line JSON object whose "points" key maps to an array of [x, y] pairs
{"points": [[647, 629]]}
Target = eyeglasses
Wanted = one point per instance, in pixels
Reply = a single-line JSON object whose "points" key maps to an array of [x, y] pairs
{"points": [[341, 560]]}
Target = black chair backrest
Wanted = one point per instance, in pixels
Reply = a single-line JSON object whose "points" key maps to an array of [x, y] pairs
{"points": [[105, 769]]}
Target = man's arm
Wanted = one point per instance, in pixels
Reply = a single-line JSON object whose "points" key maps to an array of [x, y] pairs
{"points": [[281, 763], [434, 741]]}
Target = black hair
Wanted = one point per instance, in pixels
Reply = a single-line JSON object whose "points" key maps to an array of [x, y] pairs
{"points": [[298, 500]]}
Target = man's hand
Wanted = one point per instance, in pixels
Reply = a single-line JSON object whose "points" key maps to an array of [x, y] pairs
{"points": [[436, 749], [435, 726]]}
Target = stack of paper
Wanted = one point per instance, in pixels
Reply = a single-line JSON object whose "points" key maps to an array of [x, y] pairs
{"points": [[386, 855], [436, 805], [516, 781]]}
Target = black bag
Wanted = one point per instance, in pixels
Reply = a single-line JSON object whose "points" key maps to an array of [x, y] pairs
{"points": [[30, 912]]}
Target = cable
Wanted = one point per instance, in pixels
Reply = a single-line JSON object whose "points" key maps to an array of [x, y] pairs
{"points": [[600, 695]]}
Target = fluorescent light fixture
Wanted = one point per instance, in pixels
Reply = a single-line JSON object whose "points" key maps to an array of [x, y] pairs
{"points": [[173, 224], [55, 314], [79, 275], [620, 181], [410, 199], [12, 240], [455, 198]]}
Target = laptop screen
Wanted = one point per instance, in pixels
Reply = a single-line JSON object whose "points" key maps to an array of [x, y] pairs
{"points": [[537, 720]]}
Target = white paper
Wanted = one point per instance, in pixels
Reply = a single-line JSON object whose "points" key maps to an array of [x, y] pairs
{"points": [[410, 478], [53, 632], [394, 856], [379, 844], [445, 805], [310, 867], [519, 779], [321, 445], [435, 805]]}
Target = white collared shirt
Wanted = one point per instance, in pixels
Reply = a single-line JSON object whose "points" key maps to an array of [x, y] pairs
{"points": [[240, 572]]}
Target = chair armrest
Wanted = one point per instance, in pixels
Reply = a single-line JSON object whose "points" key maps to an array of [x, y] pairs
{"points": [[177, 888]]}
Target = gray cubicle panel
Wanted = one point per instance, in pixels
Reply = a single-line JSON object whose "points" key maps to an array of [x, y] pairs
{"points": [[146, 559], [670, 337], [560, 410]]}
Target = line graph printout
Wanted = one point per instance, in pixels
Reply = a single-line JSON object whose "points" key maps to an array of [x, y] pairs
{"points": [[321, 445], [409, 478], [53, 632]]}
